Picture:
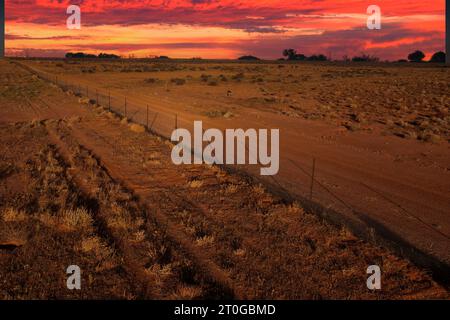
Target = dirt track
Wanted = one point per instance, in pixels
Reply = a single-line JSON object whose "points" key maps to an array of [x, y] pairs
{"points": [[79, 187], [398, 186]]}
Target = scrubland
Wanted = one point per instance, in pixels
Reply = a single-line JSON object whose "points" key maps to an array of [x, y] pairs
{"points": [[78, 185]]}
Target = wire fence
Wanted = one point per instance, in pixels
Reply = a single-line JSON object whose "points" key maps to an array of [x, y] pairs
{"points": [[300, 183]]}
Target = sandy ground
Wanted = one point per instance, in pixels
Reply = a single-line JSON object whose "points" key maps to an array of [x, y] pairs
{"points": [[78, 185], [379, 134]]}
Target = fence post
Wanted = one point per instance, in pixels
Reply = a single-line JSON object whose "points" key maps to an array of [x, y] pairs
{"points": [[176, 121], [125, 107], [147, 118], [312, 179]]}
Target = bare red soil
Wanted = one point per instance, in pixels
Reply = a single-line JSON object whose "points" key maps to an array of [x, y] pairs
{"points": [[79, 185]]}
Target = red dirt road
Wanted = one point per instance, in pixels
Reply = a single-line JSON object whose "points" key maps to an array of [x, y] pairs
{"points": [[398, 187]]}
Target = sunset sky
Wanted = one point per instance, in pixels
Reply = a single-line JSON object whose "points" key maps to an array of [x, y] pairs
{"points": [[224, 28]]}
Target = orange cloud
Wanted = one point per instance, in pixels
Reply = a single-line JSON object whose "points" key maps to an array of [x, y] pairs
{"points": [[224, 28]]}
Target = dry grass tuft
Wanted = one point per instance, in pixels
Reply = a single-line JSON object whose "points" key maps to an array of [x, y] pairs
{"points": [[48, 220], [74, 119], [204, 241], [96, 246], [138, 236], [187, 293], [13, 215], [151, 163], [112, 115], [295, 208], [122, 220], [195, 184], [153, 159], [231, 188], [78, 219], [240, 252], [91, 245], [137, 128], [13, 237], [159, 272], [83, 100], [259, 189]]}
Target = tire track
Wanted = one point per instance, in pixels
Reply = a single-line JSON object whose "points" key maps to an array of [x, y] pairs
{"points": [[214, 281], [140, 282], [243, 224]]}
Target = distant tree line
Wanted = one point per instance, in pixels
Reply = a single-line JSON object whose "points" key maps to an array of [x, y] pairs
{"points": [[416, 56], [82, 55], [292, 55]]}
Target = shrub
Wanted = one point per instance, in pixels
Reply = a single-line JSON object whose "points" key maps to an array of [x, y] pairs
{"points": [[248, 58], [10, 215], [205, 77], [292, 54], [238, 76], [438, 57], [76, 219], [416, 56], [319, 57], [365, 58], [178, 81], [151, 80]]}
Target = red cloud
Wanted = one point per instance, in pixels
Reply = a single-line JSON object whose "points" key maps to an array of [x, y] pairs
{"points": [[269, 25]]}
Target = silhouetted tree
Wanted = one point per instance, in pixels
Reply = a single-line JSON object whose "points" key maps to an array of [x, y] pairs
{"points": [[289, 53], [438, 57], [416, 56]]}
